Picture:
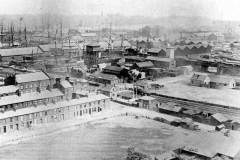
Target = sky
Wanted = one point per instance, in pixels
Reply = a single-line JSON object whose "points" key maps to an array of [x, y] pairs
{"points": [[215, 9]]}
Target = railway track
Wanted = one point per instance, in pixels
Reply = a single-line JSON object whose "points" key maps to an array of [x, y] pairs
{"points": [[206, 107]]}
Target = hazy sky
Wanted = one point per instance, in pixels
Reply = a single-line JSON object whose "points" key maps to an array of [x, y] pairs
{"points": [[217, 9]]}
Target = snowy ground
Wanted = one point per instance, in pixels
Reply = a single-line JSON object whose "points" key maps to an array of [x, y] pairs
{"points": [[104, 139], [179, 87], [107, 135], [114, 110]]}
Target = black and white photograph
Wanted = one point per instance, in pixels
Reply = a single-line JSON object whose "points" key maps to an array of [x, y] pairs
{"points": [[119, 79]]}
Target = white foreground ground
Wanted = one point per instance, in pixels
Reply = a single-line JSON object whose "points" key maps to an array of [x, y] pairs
{"points": [[105, 135]]}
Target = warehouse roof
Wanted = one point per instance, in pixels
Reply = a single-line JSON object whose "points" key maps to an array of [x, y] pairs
{"points": [[113, 68], [151, 58], [147, 98], [8, 89], [145, 64], [66, 84], [31, 77], [137, 58], [209, 144], [156, 50], [219, 117], [18, 51], [105, 76], [13, 99]]}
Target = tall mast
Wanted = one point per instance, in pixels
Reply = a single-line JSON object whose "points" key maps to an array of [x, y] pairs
{"points": [[110, 40], [2, 33], [25, 35], [61, 32]]}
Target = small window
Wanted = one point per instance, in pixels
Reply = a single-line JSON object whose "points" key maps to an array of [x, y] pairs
{"points": [[11, 126]]}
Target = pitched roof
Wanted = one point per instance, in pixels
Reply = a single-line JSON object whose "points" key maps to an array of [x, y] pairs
{"points": [[135, 58], [105, 76], [40, 108], [31, 77], [200, 151], [167, 156], [209, 144], [220, 79], [156, 50], [199, 76], [147, 98], [219, 117], [8, 89], [18, 51], [127, 94], [13, 99], [145, 64], [66, 84], [151, 58], [113, 68], [170, 107], [107, 88], [191, 112], [191, 46]]}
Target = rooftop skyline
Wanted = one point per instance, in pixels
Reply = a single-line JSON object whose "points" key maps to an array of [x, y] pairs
{"points": [[214, 9]]}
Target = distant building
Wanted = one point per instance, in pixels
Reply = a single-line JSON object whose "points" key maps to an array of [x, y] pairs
{"points": [[19, 54], [46, 112], [218, 119], [166, 63], [212, 81], [31, 82], [148, 102], [200, 79], [133, 59], [141, 66], [92, 55], [113, 70], [89, 36], [65, 87], [8, 90], [105, 79], [185, 50], [167, 52], [222, 81], [157, 52]]}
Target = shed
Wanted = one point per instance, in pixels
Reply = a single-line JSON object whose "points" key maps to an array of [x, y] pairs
{"points": [[219, 127], [218, 81], [200, 79], [112, 70], [218, 118]]}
